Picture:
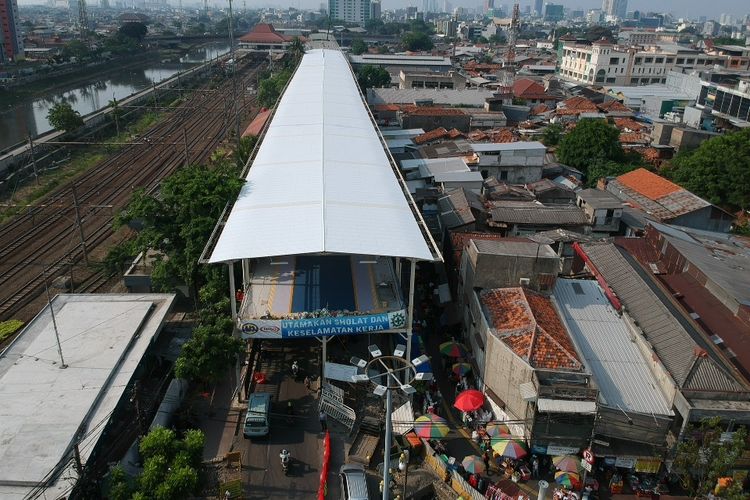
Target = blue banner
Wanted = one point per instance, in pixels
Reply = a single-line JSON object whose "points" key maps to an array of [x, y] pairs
{"points": [[325, 326]]}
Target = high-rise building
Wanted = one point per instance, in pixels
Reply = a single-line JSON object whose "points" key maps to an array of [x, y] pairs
{"points": [[375, 9], [11, 38], [489, 5], [538, 8], [350, 11], [615, 8], [553, 12]]}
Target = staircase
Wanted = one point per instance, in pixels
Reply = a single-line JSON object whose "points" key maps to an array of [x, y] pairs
{"points": [[332, 404]]}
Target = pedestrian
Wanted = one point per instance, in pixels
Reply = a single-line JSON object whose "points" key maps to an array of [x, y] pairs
{"points": [[307, 383], [535, 466], [486, 458], [323, 425]]}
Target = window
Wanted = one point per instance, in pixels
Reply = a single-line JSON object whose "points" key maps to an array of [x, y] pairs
{"points": [[680, 60], [690, 61], [670, 60], [649, 60], [659, 60], [503, 175], [638, 60], [610, 80], [614, 60]]}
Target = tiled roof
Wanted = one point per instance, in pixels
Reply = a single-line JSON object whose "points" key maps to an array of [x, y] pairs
{"points": [[628, 124], [539, 109], [528, 323], [525, 88], [430, 111], [576, 105], [460, 240], [615, 106], [386, 107], [430, 136], [540, 214], [256, 126], [634, 138], [264, 33], [648, 184], [454, 133], [681, 356]]}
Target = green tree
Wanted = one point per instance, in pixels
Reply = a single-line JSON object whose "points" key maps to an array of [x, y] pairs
{"points": [[370, 76], [595, 33], [159, 442], [607, 168], [75, 48], [179, 221], [704, 456], [552, 134], [209, 352], [270, 88], [358, 46], [135, 31], [296, 50], [590, 142], [417, 41], [245, 149], [62, 116], [719, 170]]}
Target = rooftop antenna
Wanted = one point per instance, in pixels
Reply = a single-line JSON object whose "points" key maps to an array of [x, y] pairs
{"points": [[54, 320], [510, 56]]}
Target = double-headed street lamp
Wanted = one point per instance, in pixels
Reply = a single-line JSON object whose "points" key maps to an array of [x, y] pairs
{"points": [[388, 373]]}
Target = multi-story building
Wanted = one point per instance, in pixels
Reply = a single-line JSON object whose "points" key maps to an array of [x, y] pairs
{"points": [[11, 38], [350, 11], [615, 8], [603, 62], [538, 8], [729, 102], [375, 9], [553, 12]]}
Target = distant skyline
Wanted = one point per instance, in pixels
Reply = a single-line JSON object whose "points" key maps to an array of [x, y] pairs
{"points": [[680, 8]]}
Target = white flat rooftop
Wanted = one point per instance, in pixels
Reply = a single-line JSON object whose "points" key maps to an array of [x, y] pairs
{"points": [[103, 338], [603, 339]]}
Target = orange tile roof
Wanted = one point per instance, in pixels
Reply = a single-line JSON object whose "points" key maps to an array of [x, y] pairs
{"points": [[648, 184], [539, 109], [525, 88], [386, 107], [454, 133], [634, 138], [528, 323], [460, 240], [614, 106], [265, 33], [576, 105], [629, 123], [430, 136]]}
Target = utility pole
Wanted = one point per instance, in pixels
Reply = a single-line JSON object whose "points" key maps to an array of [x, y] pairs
{"points": [[234, 78], [33, 159], [54, 321], [80, 227], [156, 103], [115, 112]]}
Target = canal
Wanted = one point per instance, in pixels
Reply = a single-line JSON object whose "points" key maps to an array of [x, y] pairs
{"points": [[30, 116]]}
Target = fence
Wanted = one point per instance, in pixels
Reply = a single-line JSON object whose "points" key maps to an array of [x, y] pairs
{"points": [[451, 477]]}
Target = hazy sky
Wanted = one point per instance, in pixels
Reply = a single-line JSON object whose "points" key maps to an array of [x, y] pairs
{"points": [[681, 8]]}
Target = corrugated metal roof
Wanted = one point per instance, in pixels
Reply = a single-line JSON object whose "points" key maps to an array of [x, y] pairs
{"points": [[673, 344], [565, 406], [509, 146], [321, 180], [604, 340], [452, 97]]}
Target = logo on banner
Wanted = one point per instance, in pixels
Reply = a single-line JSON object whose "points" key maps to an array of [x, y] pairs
{"points": [[588, 456], [323, 326]]}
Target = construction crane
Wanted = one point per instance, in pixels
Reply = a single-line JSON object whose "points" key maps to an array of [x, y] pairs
{"points": [[510, 56]]}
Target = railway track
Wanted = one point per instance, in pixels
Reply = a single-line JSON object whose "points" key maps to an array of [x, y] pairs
{"points": [[44, 240]]}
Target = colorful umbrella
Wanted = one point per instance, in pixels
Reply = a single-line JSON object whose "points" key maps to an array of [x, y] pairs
{"points": [[469, 400], [510, 448], [461, 369], [498, 430], [431, 426], [473, 464], [567, 463], [567, 479], [453, 349]]}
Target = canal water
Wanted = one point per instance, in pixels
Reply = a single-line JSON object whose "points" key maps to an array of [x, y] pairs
{"points": [[30, 116]]}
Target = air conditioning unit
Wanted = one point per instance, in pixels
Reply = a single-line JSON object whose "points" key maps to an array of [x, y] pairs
{"points": [[524, 281]]}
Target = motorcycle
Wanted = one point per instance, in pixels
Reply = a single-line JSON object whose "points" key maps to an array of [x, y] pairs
{"points": [[285, 457]]}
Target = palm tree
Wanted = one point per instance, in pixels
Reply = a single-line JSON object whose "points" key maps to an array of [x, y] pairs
{"points": [[296, 50]]}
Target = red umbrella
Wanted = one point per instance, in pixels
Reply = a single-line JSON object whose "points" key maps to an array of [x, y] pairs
{"points": [[469, 400]]}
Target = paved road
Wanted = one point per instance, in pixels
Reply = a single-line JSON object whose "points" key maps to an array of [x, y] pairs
{"points": [[302, 435]]}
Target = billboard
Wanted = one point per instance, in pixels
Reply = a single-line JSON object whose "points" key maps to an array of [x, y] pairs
{"points": [[318, 327]]}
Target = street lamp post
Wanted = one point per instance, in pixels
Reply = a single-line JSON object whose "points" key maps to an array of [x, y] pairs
{"points": [[385, 373]]}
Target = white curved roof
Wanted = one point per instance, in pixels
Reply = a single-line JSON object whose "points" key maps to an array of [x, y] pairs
{"points": [[321, 180]]}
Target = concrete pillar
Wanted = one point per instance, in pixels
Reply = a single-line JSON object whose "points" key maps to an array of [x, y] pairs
{"points": [[543, 487]]}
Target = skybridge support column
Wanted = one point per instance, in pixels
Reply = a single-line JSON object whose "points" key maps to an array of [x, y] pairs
{"points": [[410, 312], [324, 357], [245, 274], [232, 297], [398, 270]]}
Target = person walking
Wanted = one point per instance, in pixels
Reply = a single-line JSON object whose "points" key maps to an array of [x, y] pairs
{"points": [[323, 424], [535, 467], [307, 384], [486, 458]]}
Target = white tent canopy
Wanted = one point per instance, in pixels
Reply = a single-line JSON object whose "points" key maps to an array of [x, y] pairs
{"points": [[321, 181]]}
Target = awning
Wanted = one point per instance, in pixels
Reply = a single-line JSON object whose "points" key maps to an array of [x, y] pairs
{"points": [[566, 406]]}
